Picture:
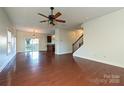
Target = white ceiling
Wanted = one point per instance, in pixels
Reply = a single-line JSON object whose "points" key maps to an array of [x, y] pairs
{"points": [[26, 18]]}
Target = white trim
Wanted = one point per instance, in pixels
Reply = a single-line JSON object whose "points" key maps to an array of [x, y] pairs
{"points": [[63, 53]]}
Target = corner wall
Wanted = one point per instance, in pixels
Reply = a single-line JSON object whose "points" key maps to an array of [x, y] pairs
{"points": [[104, 39], [62, 44]]}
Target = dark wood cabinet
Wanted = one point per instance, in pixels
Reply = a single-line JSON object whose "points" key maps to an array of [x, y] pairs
{"points": [[51, 48], [49, 39]]}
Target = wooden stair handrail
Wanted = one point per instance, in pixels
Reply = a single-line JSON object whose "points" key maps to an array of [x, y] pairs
{"points": [[78, 39], [76, 43]]}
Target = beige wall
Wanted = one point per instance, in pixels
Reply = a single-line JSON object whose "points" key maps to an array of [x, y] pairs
{"points": [[104, 39], [74, 35], [21, 36], [5, 24], [64, 40]]}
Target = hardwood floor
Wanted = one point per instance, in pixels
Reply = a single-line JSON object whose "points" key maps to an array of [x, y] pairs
{"points": [[42, 68]]}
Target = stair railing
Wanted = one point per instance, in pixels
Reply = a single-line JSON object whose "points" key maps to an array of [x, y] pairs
{"points": [[78, 43]]}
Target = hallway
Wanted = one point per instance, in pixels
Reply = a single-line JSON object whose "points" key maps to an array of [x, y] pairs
{"points": [[43, 68]]}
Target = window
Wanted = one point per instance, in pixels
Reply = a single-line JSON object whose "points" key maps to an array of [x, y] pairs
{"points": [[31, 45], [9, 42]]}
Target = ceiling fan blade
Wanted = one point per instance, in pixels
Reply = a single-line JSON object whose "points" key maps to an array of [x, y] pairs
{"points": [[43, 21], [62, 21], [53, 24], [42, 15], [57, 14]]}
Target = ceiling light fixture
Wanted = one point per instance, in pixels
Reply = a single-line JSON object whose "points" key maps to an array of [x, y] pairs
{"points": [[34, 34], [52, 18]]}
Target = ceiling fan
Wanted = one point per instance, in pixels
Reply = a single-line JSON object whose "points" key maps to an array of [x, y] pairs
{"points": [[51, 19]]}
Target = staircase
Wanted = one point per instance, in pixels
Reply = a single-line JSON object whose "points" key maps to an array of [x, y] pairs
{"points": [[78, 43]]}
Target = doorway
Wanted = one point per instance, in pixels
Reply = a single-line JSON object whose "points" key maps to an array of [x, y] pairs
{"points": [[31, 45], [51, 43]]}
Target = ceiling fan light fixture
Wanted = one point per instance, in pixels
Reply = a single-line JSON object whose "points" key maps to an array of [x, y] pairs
{"points": [[51, 8], [52, 18]]}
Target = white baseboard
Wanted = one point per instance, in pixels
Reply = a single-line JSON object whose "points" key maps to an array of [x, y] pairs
{"points": [[100, 61], [63, 53]]}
